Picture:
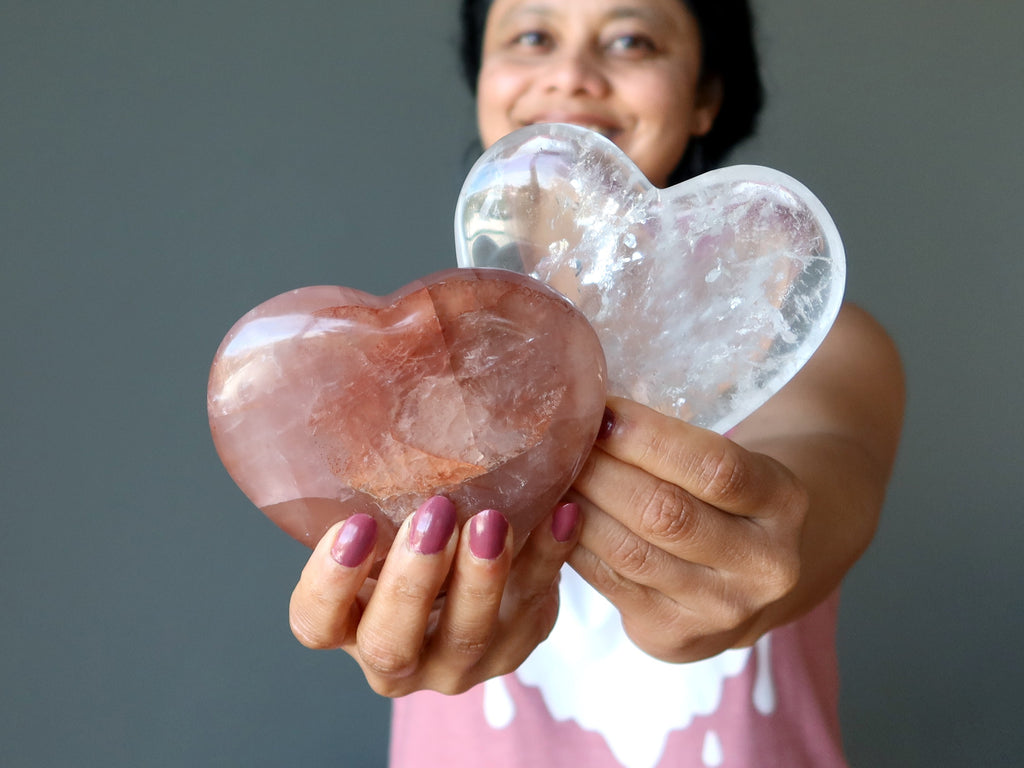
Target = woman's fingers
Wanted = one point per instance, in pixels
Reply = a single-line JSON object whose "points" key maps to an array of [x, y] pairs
{"points": [[650, 532], [498, 608], [709, 466], [625, 556], [535, 571], [409, 583], [687, 533], [672, 630], [495, 608], [636, 520], [324, 609], [531, 595], [468, 618]]}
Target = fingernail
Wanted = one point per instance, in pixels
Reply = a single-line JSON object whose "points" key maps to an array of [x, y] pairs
{"points": [[355, 541], [487, 532], [564, 522], [432, 525], [607, 424]]}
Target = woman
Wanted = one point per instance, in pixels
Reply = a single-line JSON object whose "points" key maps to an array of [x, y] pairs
{"points": [[704, 545]]}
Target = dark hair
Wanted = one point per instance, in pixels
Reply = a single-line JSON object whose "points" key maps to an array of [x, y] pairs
{"points": [[729, 57]]}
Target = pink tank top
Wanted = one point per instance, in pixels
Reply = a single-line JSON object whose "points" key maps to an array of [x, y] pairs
{"points": [[587, 696]]}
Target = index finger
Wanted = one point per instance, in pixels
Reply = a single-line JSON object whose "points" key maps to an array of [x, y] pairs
{"points": [[703, 463], [324, 608]]}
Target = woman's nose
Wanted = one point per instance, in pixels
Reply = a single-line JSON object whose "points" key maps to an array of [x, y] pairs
{"points": [[577, 72]]}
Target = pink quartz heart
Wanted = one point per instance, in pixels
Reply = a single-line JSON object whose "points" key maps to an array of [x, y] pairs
{"points": [[481, 385], [707, 296]]}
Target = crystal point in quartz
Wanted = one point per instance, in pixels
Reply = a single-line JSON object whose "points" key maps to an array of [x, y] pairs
{"points": [[707, 296], [481, 385]]}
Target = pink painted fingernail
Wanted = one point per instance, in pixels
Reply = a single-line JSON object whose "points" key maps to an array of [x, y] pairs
{"points": [[487, 532], [432, 525], [564, 522], [355, 541]]}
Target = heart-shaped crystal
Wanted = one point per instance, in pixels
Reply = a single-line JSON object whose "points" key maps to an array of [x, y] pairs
{"points": [[707, 296], [482, 385]]}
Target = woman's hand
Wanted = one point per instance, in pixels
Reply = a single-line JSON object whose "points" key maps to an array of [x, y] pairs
{"points": [[687, 533], [704, 543], [494, 611]]}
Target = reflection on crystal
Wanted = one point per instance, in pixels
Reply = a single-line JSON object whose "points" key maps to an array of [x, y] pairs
{"points": [[482, 385], [707, 296]]}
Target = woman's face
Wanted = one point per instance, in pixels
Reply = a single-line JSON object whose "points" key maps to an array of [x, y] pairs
{"points": [[629, 69]]}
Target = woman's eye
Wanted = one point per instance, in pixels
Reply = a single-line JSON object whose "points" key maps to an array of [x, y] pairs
{"points": [[532, 39], [635, 45]]}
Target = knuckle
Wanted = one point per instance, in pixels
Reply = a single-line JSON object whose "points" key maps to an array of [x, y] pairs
{"points": [[734, 613], [539, 607], [545, 615], [536, 600], [782, 575], [653, 444], [479, 594], [631, 556], [665, 632], [730, 609], [454, 687], [725, 476], [407, 591], [381, 659], [610, 582], [780, 567], [387, 687], [657, 645], [667, 512], [735, 602], [796, 499], [770, 576], [465, 642]]}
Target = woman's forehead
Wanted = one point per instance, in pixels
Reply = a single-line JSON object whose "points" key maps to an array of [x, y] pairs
{"points": [[668, 14], [607, 8]]}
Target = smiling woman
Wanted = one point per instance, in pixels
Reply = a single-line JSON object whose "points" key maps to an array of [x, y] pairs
{"points": [[728, 82], [696, 625], [630, 71]]}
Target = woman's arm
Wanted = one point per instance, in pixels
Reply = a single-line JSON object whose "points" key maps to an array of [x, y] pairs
{"points": [[705, 543]]}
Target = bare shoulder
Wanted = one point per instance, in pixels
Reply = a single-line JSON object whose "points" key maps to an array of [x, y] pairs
{"points": [[856, 334], [852, 387]]}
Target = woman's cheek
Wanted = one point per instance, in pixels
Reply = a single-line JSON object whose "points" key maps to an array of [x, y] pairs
{"points": [[498, 94]]}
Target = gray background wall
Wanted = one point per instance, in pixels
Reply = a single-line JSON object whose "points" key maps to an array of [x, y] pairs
{"points": [[166, 166]]}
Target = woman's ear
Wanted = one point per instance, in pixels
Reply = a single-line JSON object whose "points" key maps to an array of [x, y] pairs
{"points": [[709, 102]]}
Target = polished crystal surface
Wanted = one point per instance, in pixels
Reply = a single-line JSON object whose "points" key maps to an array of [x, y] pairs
{"points": [[482, 385], [707, 296]]}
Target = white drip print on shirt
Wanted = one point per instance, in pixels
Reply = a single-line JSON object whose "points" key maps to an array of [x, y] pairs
{"points": [[711, 754], [589, 669], [499, 709]]}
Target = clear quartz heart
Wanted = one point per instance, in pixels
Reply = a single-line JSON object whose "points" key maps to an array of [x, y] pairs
{"points": [[482, 385], [707, 296]]}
